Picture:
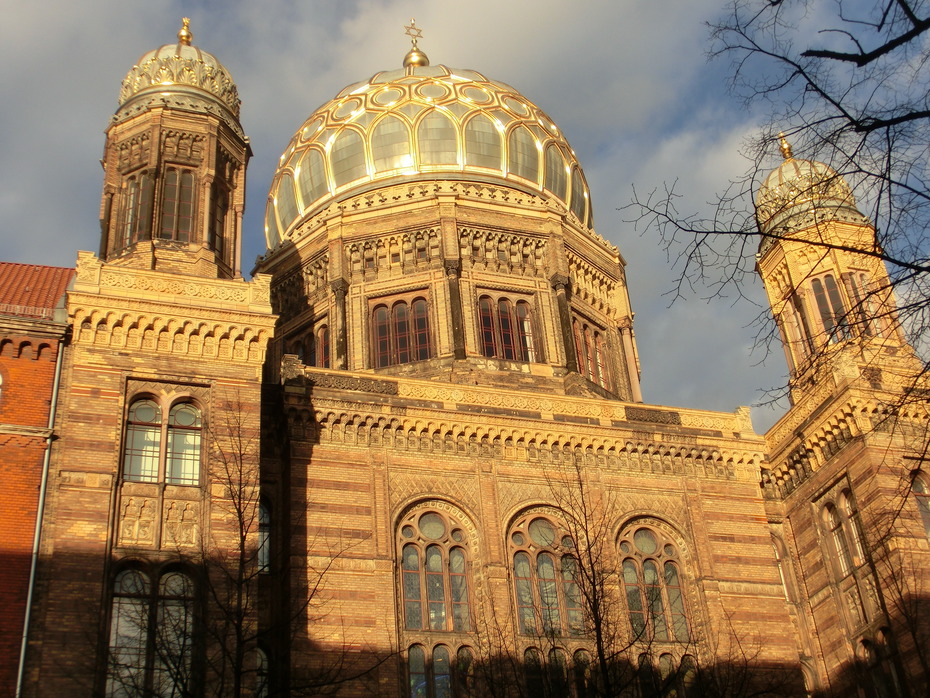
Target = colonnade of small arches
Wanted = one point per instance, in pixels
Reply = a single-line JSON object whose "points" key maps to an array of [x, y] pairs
{"points": [[171, 335], [24, 349]]}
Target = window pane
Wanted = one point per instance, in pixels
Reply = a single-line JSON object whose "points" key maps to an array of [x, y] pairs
{"points": [[183, 445], [348, 157], [523, 156], [435, 588], [556, 177], [508, 340], [459, 586], [401, 332], [486, 320], [421, 339], [312, 176], [578, 204], [482, 143], [173, 636], [442, 673], [413, 609], [381, 332], [436, 140], [523, 579], [548, 593], [416, 670], [654, 600], [287, 201], [525, 332], [264, 537], [390, 145], [128, 639]]}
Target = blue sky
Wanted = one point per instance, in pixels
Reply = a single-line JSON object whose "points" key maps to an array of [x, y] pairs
{"points": [[627, 81]]}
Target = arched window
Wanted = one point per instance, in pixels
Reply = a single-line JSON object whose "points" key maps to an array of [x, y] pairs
{"points": [[506, 329], [837, 534], [400, 333], [390, 145], [312, 177], [151, 635], [578, 199], [434, 573], [145, 459], [348, 157], [581, 674], [287, 200], [482, 143], [431, 673], [177, 206], [922, 496], [653, 586], [436, 140], [262, 674], [545, 578], [138, 199], [556, 176], [216, 237], [591, 353], [523, 155], [264, 537], [321, 346], [830, 305], [853, 527]]}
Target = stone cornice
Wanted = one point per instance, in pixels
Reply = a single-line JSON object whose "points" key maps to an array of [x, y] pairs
{"points": [[21, 430]]}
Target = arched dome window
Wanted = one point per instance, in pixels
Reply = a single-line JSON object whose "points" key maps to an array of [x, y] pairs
{"points": [[272, 232], [556, 177], [579, 203], [436, 140], [348, 157], [390, 145], [177, 213], [523, 156], [287, 200], [312, 177], [482, 143]]}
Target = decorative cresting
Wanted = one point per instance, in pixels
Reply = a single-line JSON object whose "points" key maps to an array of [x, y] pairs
{"points": [[179, 67], [800, 193], [422, 120]]}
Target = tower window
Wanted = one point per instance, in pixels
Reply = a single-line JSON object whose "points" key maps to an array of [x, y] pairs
{"points": [[138, 214], [922, 496], [264, 537], [523, 155], [591, 353], [217, 235], [506, 329], [400, 333], [177, 212], [151, 635], [831, 308], [162, 448]]}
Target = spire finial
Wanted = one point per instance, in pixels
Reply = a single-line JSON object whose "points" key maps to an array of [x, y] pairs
{"points": [[184, 35], [785, 146], [415, 58]]}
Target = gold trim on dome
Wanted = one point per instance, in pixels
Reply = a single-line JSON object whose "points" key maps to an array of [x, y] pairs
{"points": [[426, 122]]}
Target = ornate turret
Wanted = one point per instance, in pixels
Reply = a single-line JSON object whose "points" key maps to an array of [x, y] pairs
{"points": [[175, 161], [826, 284]]}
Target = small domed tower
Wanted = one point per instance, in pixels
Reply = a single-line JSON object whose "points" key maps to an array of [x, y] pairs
{"points": [[819, 260], [434, 222], [174, 164]]}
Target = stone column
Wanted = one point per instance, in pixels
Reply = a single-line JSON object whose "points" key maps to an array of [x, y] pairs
{"points": [[453, 269], [626, 334], [562, 287], [340, 288]]}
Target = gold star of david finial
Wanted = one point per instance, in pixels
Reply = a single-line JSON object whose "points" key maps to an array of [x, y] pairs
{"points": [[413, 31]]}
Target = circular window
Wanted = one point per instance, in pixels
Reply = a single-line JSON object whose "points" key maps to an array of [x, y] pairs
{"points": [[670, 550], [476, 94], [407, 531], [625, 547], [567, 542], [346, 108], [433, 90], [518, 538], [645, 541], [542, 532], [458, 536], [185, 416], [312, 128], [144, 412], [387, 97], [515, 106], [432, 526]]}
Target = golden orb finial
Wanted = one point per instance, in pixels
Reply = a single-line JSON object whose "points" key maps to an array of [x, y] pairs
{"points": [[184, 35], [415, 57], [785, 146]]}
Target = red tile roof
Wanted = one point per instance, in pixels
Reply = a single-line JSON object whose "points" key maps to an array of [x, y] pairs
{"points": [[32, 290]]}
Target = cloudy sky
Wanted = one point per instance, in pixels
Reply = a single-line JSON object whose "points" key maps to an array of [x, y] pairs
{"points": [[626, 80]]}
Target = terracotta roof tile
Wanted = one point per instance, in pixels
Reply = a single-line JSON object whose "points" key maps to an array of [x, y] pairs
{"points": [[32, 290]]}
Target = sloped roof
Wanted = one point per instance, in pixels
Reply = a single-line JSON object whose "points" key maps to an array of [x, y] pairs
{"points": [[32, 290]]}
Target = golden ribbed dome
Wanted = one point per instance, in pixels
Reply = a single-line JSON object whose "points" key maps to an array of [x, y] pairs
{"points": [[422, 122], [180, 67], [796, 189]]}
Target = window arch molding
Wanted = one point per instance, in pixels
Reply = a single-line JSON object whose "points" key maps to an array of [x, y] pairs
{"points": [[542, 564], [437, 551], [655, 576]]}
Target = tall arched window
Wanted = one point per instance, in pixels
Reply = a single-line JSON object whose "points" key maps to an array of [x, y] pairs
{"points": [[653, 586], [216, 238], [434, 573], [138, 199], [523, 155], [591, 353], [506, 329], [390, 145], [151, 648], [436, 140], [831, 308], [312, 177], [263, 553], [432, 673], [556, 176], [922, 496], [145, 459], [347, 157], [833, 522], [545, 574], [579, 202], [400, 333], [177, 206]]}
